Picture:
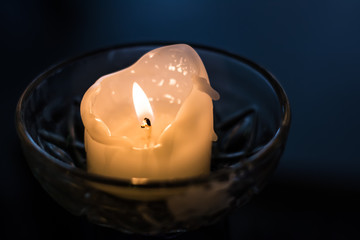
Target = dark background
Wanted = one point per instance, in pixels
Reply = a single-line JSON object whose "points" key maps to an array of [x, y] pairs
{"points": [[312, 47]]}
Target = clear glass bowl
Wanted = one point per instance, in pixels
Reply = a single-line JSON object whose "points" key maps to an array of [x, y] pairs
{"points": [[252, 121]]}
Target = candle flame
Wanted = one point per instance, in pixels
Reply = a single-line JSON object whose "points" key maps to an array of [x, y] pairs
{"points": [[141, 103]]}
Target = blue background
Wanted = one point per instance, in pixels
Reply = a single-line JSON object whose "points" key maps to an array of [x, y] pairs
{"points": [[312, 47]]}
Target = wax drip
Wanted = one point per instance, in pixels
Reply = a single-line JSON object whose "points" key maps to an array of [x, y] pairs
{"points": [[203, 85]]}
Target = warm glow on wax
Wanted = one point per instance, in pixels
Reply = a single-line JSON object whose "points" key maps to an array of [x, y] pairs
{"points": [[151, 120]]}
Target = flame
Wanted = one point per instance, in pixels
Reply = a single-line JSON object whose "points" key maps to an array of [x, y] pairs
{"points": [[141, 103]]}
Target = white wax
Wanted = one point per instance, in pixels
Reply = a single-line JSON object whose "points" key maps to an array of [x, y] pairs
{"points": [[178, 142]]}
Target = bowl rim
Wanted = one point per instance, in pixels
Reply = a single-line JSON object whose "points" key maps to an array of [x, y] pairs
{"points": [[277, 139]]}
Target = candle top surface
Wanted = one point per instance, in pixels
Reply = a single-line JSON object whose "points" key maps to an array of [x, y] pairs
{"points": [[165, 76]]}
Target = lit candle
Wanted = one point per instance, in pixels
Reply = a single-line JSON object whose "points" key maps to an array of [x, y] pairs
{"points": [[152, 120]]}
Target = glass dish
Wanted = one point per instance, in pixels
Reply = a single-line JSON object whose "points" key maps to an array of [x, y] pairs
{"points": [[251, 119]]}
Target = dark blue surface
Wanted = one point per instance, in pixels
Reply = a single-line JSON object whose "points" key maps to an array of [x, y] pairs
{"points": [[312, 47]]}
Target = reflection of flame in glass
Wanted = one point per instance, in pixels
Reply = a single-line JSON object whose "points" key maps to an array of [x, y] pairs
{"points": [[141, 103]]}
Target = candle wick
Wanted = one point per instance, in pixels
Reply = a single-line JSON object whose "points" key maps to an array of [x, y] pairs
{"points": [[146, 123]]}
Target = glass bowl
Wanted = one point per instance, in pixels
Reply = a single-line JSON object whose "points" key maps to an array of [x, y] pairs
{"points": [[251, 119]]}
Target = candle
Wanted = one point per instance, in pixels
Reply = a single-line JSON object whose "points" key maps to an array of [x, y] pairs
{"points": [[152, 120]]}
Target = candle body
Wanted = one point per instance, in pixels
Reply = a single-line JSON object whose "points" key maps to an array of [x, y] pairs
{"points": [[178, 143]]}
